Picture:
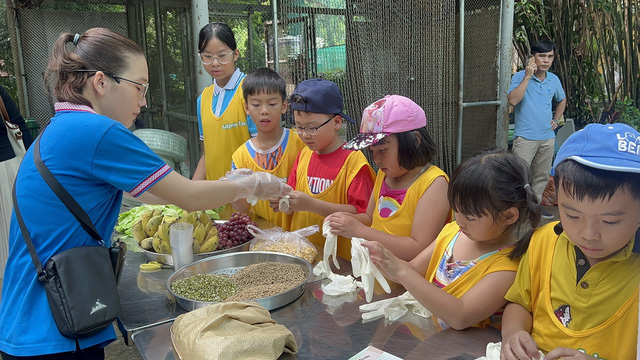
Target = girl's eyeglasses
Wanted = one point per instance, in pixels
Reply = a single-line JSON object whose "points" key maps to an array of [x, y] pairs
{"points": [[208, 59], [144, 87]]}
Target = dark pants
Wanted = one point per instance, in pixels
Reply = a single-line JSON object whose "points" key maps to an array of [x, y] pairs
{"points": [[90, 353]]}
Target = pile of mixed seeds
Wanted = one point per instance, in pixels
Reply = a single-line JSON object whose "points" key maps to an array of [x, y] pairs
{"points": [[255, 281]]}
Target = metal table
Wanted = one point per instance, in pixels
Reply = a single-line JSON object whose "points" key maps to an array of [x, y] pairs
{"points": [[326, 329], [144, 298]]}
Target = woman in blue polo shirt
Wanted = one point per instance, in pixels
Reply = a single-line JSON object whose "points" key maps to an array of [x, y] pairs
{"points": [[100, 79]]}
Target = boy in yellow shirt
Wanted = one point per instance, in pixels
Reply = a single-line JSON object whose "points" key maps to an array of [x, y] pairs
{"points": [[326, 178], [576, 291], [274, 149]]}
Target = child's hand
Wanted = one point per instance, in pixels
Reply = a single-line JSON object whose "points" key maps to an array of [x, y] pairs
{"points": [[390, 265], [343, 224], [566, 353], [298, 201], [275, 204], [520, 346]]}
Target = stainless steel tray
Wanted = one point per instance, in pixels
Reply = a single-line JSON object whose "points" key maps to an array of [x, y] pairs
{"points": [[168, 259], [232, 263]]}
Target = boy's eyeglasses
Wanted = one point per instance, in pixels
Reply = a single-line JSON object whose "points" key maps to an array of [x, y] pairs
{"points": [[223, 59], [311, 130], [143, 90]]}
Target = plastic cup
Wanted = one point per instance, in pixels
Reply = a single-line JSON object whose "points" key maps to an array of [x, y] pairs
{"points": [[181, 240]]}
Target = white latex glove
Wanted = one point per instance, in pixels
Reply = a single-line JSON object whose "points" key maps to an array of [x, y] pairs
{"points": [[330, 245], [493, 352], [393, 309], [283, 204], [337, 284], [340, 285], [259, 185], [365, 269]]}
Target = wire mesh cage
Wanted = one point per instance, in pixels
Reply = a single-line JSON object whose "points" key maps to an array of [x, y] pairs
{"points": [[369, 48]]}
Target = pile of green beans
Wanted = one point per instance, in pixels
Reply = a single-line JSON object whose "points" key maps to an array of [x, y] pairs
{"points": [[205, 287]]}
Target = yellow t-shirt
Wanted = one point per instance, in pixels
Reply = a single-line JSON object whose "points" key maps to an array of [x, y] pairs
{"points": [[222, 135], [243, 159], [336, 193], [401, 221], [498, 261], [598, 315]]}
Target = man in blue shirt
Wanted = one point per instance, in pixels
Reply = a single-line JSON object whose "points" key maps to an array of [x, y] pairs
{"points": [[531, 92]]}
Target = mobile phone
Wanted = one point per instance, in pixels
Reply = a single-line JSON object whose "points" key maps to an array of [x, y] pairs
{"points": [[117, 252]]}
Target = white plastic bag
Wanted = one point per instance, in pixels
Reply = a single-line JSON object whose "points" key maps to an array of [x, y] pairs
{"points": [[288, 242]]}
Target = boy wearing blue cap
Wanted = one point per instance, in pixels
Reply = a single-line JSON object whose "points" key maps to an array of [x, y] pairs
{"points": [[326, 178], [576, 291]]}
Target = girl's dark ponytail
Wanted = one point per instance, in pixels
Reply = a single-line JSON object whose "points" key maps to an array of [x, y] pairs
{"points": [[530, 214]]}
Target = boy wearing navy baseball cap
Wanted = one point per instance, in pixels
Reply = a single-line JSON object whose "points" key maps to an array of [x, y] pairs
{"points": [[326, 178], [576, 292]]}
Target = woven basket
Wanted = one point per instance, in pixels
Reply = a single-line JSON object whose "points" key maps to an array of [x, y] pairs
{"points": [[164, 143]]}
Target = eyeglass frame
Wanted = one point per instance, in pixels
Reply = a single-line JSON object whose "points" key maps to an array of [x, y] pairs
{"points": [[214, 57], [118, 78], [298, 130]]}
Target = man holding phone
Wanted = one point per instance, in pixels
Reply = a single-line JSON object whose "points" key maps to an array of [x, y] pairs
{"points": [[532, 92]]}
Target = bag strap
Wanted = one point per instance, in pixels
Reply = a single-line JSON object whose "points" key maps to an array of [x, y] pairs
{"points": [[7, 121], [42, 276], [66, 198]]}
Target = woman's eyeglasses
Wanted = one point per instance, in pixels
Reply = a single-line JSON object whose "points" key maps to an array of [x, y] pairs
{"points": [[144, 87], [208, 59]]}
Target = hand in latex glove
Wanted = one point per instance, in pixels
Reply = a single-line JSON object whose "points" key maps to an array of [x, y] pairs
{"points": [[343, 224], [389, 264], [259, 185]]}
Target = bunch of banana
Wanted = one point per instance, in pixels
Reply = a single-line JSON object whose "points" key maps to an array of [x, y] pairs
{"points": [[152, 231], [205, 234]]}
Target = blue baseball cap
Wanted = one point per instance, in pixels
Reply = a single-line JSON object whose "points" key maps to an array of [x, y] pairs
{"points": [[612, 147], [321, 96]]}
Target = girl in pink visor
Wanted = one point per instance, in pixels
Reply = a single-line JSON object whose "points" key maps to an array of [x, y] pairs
{"points": [[407, 186]]}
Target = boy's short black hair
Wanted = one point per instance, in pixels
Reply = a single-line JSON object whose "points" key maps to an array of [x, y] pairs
{"points": [[264, 80], [543, 46], [412, 154], [584, 182]]}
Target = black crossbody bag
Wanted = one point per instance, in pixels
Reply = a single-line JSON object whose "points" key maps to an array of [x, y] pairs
{"points": [[81, 282]]}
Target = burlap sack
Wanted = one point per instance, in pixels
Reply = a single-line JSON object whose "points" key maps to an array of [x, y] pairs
{"points": [[230, 331]]}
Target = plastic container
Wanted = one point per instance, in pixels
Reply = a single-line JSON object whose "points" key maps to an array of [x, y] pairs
{"points": [[181, 240]]}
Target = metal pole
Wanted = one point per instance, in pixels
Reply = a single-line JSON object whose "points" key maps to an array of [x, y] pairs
{"points": [[276, 52], [16, 46], [460, 85], [160, 45], [200, 11], [504, 72]]}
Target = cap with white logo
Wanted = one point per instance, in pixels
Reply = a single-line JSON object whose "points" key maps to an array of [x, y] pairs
{"points": [[612, 147]]}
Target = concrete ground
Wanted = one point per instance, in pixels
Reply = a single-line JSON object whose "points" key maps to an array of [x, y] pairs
{"points": [[118, 350]]}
